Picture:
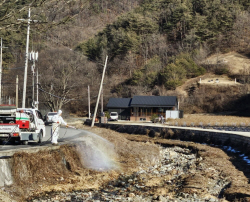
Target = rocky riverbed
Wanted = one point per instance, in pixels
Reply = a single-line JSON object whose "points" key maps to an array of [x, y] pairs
{"points": [[161, 182]]}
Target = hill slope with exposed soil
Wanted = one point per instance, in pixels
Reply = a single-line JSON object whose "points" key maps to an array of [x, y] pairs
{"points": [[235, 61]]}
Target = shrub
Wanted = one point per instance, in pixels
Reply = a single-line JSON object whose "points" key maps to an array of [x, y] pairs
{"points": [[221, 70], [153, 117]]}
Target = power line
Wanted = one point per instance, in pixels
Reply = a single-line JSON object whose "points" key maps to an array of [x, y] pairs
{"points": [[56, 95], [62, 97], [13, 68], [57, 42]]}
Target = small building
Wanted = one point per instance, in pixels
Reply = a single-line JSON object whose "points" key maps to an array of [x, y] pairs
{"points": [[141, 108]]}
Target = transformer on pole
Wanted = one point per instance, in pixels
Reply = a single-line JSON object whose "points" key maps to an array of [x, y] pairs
{"points": [[33, 56]]}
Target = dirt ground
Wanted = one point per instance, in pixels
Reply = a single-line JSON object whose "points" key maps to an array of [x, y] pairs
{"points": [[227, 163], [211, 120], [134, 152], [234, 60], [218, 80]]}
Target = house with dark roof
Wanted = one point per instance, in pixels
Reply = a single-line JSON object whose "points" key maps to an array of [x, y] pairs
{"points": [[142, 107], [121, 106]]}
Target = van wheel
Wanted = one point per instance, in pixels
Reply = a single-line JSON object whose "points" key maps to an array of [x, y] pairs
{"points": [[25, 142], [40, 137]]}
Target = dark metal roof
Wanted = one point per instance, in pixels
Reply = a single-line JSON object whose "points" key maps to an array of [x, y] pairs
{"points": [[154, 101], [119, 102]]}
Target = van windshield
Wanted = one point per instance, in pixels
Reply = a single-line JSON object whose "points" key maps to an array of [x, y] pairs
{"points": [[113, 114]]}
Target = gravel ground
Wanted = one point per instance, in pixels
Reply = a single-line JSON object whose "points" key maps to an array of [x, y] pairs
{"points": [[161, 182], [182, 171]]}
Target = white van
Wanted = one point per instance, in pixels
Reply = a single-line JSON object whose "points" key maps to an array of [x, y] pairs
{"points": [[113, 116]]}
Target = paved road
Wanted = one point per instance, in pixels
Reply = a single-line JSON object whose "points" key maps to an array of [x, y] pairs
{"points": [[66, 134]]}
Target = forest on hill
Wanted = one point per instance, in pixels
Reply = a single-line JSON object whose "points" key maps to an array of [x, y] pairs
{"points": [[153, 47]]}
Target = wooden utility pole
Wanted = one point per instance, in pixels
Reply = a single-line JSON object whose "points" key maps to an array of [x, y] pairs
{"points": [[26, 61], [1, 63], [100, 90], [17, 91], [26, 56], [1, 68], [102, 101]]}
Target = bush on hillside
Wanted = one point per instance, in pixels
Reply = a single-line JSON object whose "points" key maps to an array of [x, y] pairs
{"points": [[222, 70]]}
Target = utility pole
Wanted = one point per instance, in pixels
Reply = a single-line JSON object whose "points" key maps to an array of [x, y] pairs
{"points": [[89, 100], [100, 90], [26, 59], [33, 56], [37, 89], [1, 63], [17, 91], [102, 101], [1, 68]]}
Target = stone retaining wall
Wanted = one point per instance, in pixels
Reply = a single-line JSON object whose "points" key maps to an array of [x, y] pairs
{"points": [[239, 142]]}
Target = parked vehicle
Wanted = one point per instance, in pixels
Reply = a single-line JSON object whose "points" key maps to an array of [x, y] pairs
{"points": [[113, 116], [48, 117], [22, 124]]}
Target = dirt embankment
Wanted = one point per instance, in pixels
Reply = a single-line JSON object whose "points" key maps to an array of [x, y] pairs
{"points": [[235, 61], [62, 169]]}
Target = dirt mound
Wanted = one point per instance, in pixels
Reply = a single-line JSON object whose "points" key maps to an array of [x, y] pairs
{"points": [[235, 61]]}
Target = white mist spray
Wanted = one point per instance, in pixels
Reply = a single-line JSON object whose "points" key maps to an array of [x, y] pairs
{"points": [[97, 153]]}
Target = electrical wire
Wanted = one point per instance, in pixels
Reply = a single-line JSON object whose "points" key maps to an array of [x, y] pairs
{"points": [[56, 95], [14, 68]]}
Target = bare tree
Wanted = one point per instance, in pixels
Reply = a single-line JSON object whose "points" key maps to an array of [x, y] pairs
{"points": [[62, 73], [241, 30]]}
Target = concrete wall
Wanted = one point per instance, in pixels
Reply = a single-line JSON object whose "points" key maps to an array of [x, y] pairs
{"points": [[5, 172], [6, 163], [238, 140]]}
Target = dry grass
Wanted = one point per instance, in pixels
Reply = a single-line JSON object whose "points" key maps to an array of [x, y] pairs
{"points": [[234, 60], [210, 120], [45, 171], [62, 169]]}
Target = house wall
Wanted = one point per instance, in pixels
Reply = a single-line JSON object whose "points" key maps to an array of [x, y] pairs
{"points": [[140, 113], [149, 111], [140, 118], [123, 113]]}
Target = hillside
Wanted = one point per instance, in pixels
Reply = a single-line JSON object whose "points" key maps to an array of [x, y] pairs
{"points": [[154, 47], [236, 63]]}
